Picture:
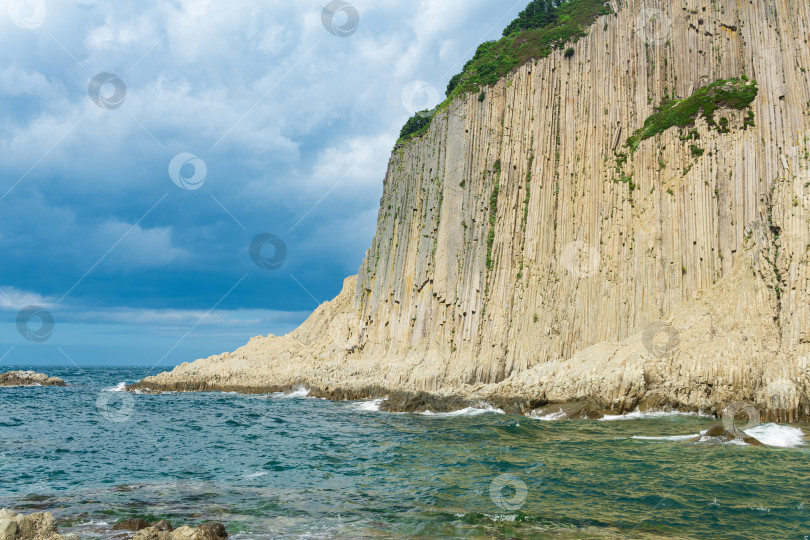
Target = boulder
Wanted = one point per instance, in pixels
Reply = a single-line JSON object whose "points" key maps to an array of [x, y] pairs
{"points": [[207, 531], [162, 525], [40, 526], [151, 533], [131, 524], [211, 531], [8, 529], [720, 431], [36, 526]]}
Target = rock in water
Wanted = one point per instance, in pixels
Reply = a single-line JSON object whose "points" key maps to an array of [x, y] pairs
{"points": [[162, 525], [29, 378], [207, 531], [138, 524], [211, 531], [719, 430], [40, 526], [132, 524]]}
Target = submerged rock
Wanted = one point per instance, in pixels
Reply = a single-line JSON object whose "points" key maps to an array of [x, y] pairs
{"points": [[40, 526], [720, 431], [29, 378], [131, 524], [138, 524]]}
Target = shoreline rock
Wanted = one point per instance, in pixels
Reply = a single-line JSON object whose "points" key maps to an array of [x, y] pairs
{"points": [[163, 530], [405, 401], [29, 378], [39, 526]]}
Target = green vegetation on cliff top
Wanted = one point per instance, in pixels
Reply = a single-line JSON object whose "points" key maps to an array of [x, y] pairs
{"points": [[545, 25], [539, 29]]}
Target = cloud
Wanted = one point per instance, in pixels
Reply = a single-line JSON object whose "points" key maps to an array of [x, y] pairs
{"points": [[295, 126], [13, 299]]}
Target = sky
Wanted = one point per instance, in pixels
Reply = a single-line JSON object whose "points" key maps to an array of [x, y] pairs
{"points": [[179, 176]]}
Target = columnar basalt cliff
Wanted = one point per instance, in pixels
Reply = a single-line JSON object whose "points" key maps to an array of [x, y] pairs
{"points": [[526, 253]]}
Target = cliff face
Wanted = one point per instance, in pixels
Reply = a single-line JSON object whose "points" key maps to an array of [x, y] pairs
{"points": [[515, 255]]}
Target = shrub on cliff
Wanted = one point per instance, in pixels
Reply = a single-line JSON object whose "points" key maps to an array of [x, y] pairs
{"points": [[542, 27], [416, 125], [538, 13], [545, 25]]}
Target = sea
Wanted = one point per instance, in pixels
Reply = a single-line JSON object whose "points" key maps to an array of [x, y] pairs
{"points": [[293, 466]]}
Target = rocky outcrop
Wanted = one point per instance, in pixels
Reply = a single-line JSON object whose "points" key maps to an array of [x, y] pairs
{"points": [[29, 378], [719, 432], [41, 526], [525, 255], [136, 524], [207, 531]]}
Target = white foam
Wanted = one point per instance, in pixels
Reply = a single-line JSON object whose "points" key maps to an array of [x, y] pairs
{"points": [[469, 411], [768, 434], [548, 417], [777, 435], [92, 523], [637, 415], [120, 387], [670, 438], [502, 517], [367, 406], [296, 393], [256, 475]]}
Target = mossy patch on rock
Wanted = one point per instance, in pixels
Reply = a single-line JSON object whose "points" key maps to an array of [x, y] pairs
{"points": [[732, 93]]}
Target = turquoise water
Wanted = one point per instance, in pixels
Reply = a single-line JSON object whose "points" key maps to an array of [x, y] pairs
{"points": [[292, 466]]}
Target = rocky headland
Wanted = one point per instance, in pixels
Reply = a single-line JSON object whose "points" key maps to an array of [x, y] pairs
{"points": [[29, 378], [618, 221]]}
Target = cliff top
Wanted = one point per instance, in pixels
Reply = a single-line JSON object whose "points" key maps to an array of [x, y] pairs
{"points": [[545, 25]]}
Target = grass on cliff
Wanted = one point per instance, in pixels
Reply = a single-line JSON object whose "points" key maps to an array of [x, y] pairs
{"points": [[545, 25], [722, 94], [416, 125], [539, 29]]}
